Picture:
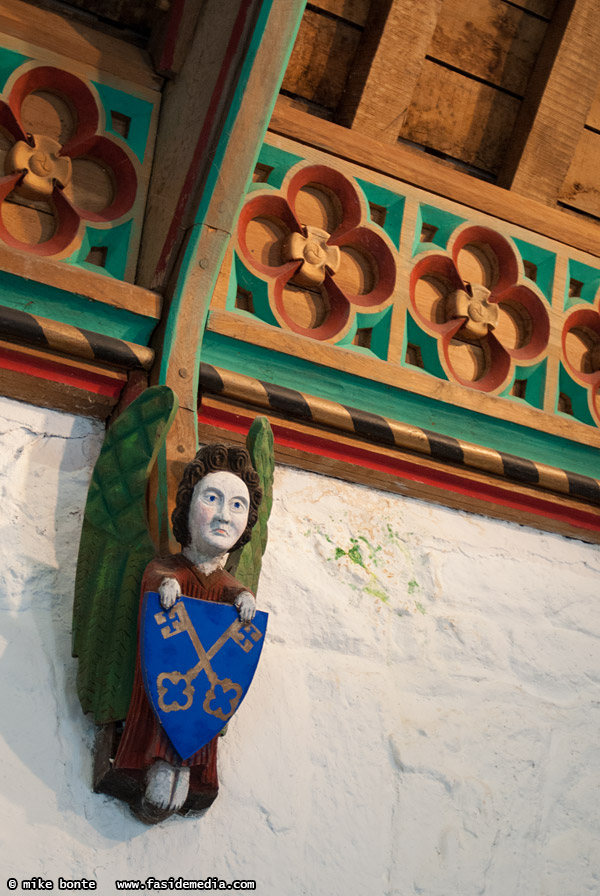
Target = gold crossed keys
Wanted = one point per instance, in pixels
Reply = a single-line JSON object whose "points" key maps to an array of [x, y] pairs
{"points": [[174, 623]]}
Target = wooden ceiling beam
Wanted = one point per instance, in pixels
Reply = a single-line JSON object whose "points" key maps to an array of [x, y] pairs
{"points": [[173, 35], [193, 111], [270, 40], [557, 102], [387, 68]]}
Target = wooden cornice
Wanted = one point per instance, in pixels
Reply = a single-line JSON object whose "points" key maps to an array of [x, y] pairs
{"points": [[421, 170], [89, 285]]}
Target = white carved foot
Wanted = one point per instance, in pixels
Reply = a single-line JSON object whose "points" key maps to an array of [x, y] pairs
{"points": [[166, 792], [167, 786]]}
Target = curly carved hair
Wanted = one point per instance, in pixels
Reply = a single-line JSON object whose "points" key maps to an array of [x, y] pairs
{"points": [[214, 459]]}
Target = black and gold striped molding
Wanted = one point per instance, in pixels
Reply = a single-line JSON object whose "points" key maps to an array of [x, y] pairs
{"points": [[30, 329], [390, 433]]}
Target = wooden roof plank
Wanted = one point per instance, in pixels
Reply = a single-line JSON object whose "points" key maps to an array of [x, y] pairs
{"points": [[355, 11], [322, 59], [86, 46], [581, 189], [460, 117], [543, 8], [556, 105], [490, 39], [387, 67]]}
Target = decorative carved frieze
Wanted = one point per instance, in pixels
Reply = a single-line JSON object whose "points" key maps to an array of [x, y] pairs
{"points": [[438, 316], [75, 155]]}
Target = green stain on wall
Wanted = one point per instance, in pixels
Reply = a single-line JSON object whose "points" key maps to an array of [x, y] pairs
{"points": [[377, 592], [355, 555]]}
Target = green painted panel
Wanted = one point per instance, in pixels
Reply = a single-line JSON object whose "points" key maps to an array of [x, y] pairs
{"points": [[578, 396], [259, 186], [70, 308], [259, 290], [545, 263], [9, 61], [280, 161], [138, 111], [427, 345], [588, 279], [535, 377], [444, 223], [393, 205], [379, 324], [398, 404], [116, 242]]}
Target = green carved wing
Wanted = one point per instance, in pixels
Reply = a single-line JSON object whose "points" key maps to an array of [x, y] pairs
{"points": [[114, 550], [245, 564]]}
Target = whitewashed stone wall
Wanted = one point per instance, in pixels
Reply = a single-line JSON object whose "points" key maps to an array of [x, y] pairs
{"points": [[425, 718]]}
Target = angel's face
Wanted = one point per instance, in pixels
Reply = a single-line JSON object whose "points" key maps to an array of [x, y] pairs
{"points": [[218, 513]]}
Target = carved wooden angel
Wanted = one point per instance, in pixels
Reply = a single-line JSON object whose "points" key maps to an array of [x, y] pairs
{"points": [[218, 510]]}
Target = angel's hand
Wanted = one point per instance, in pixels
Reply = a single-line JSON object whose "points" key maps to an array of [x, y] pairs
{"points": [[169, 591], [246, 606]]}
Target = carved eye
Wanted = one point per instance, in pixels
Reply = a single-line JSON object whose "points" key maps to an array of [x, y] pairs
{"points": [[212, 498], [237, 505]]}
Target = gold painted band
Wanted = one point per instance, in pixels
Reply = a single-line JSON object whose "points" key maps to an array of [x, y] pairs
{"points": [[334, 416]]}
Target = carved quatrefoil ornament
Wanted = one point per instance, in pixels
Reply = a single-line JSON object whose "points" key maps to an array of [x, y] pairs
{"points": [[344, 270], [472, 303], [503, 314], [317, 257], [42, 165], [38, 167]]}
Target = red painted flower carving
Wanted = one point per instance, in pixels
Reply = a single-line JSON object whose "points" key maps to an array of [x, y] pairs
{"points": [[581, 350], [38, 167], [310, 257], [481, 313]]}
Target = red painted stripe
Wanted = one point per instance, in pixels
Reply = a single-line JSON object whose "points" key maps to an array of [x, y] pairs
{"points": [[172, 35], [451, 481], [56, 372], [203, 140]]}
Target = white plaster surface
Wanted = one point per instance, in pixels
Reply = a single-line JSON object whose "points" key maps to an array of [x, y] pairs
{"points": [[424, 720]]}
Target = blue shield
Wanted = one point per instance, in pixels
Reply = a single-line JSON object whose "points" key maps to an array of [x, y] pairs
{"points": [[197, 660]]}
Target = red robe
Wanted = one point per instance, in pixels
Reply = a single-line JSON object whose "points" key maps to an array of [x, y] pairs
{"points": [[144, 739]]}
